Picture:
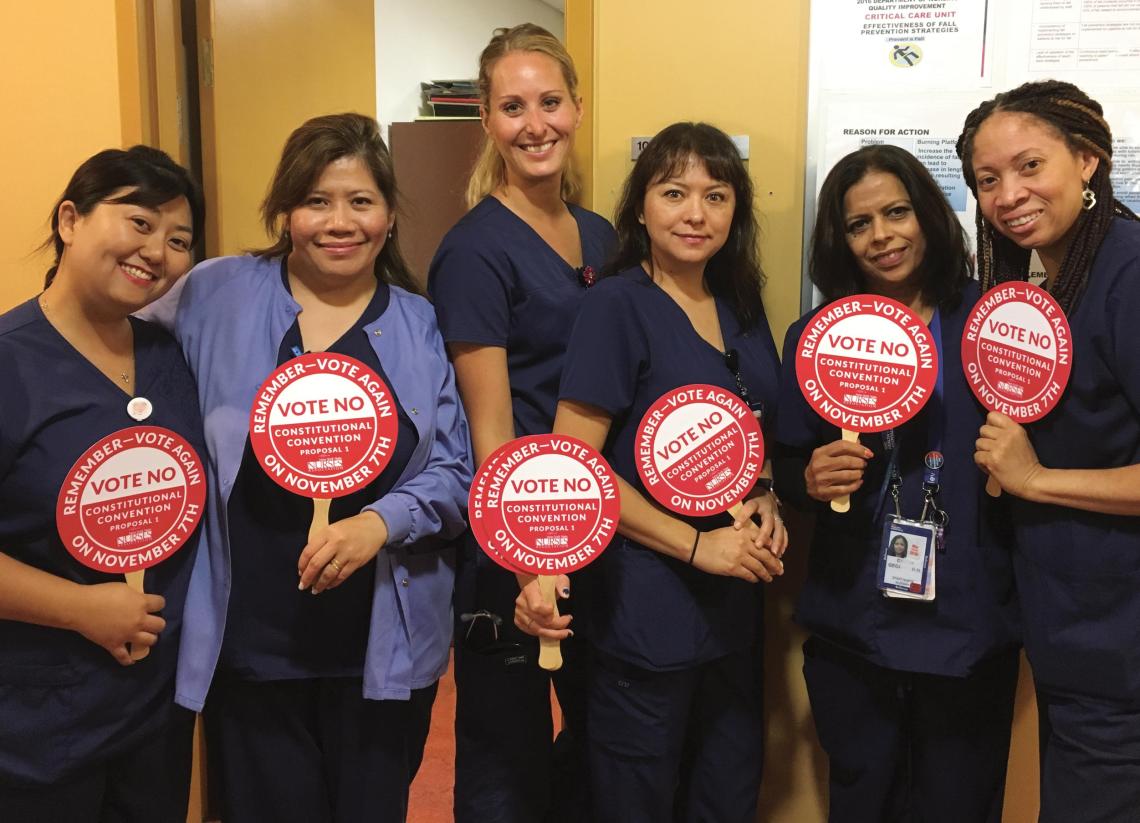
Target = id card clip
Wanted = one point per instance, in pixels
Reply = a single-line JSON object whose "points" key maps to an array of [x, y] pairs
{"points": [[931, 476]]}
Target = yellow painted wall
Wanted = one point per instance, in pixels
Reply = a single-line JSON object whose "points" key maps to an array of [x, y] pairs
{"points": [[275, 64], [60, 101], [578, 35], [739, 64]]}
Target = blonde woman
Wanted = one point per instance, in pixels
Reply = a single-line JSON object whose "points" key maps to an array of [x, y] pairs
{"points": [[507, 281]]}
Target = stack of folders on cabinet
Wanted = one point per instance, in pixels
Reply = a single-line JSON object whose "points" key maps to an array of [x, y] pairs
{"points": [[450, 98]]}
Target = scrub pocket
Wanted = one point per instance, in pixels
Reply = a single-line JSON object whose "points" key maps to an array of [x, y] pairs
{"points": [[38, 725], [1082, 634], [635, 714]]}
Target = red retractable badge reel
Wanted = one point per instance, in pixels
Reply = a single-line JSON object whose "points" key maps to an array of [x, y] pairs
{"points": [[544, 505], [699, 450], [1017, 353], [866, 364], [322, 426], [131, 501]]}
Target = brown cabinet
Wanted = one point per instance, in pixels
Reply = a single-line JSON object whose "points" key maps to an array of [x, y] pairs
{"points": [[433, 159]]}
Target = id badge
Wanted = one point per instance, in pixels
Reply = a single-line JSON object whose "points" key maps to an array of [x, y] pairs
{"points": [[906, 559]]}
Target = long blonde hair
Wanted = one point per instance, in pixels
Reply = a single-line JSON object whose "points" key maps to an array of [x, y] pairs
{"points": [[489, 171]]}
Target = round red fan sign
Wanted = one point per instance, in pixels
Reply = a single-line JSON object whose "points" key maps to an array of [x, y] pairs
{"points": [[1017, 351], [323, 425], [544, 505], [131, 500], [699, 450], [866, 363]]}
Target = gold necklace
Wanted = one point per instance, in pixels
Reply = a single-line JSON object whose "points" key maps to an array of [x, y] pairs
{"points": [[123, 376]]}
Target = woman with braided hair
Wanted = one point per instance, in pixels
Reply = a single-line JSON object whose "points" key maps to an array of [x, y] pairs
{"points": [[1038, 159]]}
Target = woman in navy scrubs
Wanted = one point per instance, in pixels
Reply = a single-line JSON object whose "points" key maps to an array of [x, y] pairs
{"points": [[319, 707], [674, 700], [1039, 158], [507, 282], [85, 733], [912, 701]]}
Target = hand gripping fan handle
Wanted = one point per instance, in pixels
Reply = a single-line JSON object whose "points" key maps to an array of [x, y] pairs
{"points": [[549, 649], [843, 504]]}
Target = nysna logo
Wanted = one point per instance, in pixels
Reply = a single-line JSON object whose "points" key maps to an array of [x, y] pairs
{"points": [[134, 537]]}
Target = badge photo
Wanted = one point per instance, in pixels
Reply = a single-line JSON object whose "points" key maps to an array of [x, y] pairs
{"points": [[906, 561]]}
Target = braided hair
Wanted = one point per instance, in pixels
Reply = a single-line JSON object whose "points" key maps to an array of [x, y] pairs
{"points": [[1079, 120]]}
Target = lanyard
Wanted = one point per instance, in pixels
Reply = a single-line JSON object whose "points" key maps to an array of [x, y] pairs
{"points": [[931, 476], [732, 361]]}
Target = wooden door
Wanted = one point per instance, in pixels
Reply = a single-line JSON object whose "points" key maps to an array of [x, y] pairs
{"points": [[265, 66]]}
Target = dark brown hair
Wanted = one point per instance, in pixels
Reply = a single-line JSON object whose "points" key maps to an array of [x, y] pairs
{"points": [[1079, 121], [151, 177], [309, 149], [733, 273], [946, 266]]}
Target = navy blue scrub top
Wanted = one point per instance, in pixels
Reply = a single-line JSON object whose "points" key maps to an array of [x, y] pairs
{"points": [[1078, 572], [65, 703], [632, 343], [495, 282], [274, 631], [973, 615]]}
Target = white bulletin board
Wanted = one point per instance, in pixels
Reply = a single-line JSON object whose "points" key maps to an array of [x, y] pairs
{"points": [[907, 72]]}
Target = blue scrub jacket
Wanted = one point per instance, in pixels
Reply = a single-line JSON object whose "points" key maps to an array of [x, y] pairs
{"points": [[230, 315]]}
